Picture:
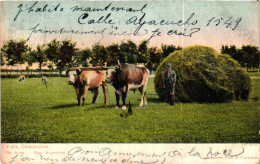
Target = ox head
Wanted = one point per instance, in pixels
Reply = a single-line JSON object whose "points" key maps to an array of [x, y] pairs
{"points": [[111, 73], [73, 75]]}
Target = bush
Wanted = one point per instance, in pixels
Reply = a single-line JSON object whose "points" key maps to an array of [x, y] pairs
{"points": [[204, 75]]}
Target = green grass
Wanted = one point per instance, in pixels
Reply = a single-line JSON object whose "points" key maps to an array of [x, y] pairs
{"points": [[33, 114], [254, 73]]}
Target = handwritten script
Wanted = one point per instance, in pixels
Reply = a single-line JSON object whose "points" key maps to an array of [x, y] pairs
{"points": [[106, 20], [108, 155]]}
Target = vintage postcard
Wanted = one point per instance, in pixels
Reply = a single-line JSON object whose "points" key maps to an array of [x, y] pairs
{"points": [[138, 82]]}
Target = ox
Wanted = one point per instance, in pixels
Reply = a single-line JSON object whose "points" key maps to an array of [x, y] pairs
{"points": [[127, 77], [45, 80], [84, 80], [21, 78]]}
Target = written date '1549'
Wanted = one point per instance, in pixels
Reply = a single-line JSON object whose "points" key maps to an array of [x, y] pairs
{"points": [[229, 23]]}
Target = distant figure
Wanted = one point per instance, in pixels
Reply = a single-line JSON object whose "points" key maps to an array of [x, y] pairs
{"points": [[21, 78], [169, 84], [45, 80]]}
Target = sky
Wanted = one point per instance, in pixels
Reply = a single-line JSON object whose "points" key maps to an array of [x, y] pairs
{"points": [[211, 23]]}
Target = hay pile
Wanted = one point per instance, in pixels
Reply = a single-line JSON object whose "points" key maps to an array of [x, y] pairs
{"points": [[204, 75]]}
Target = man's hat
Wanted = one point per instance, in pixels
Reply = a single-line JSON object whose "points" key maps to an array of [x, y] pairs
{"points": [[169, 65]]}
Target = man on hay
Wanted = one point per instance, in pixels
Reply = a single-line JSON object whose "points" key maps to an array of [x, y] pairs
{"points": [[169, 84]]}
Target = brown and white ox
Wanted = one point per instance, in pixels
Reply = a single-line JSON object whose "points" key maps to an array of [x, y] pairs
{"points": [[127, 77], [44, 79], [21, 78], [84, 80]]}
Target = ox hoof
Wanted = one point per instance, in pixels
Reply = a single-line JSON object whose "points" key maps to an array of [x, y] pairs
{"points": [[124, 107], [116, 107]]}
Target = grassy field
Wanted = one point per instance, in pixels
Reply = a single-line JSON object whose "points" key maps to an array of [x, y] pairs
{"points": [[33, 114], [254, 74]]}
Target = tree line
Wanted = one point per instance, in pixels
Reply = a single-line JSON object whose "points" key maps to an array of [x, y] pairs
{"points": [[246, 56], [64, 54]]}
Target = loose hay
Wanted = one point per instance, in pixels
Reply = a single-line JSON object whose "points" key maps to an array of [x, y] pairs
{"points": [[204, 75]]}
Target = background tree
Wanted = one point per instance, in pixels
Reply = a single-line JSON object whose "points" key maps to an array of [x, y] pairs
{"points": [[143, 53], [50, 66], [168, 49], [14, 52], [81, 57], [67, 51], [52, 51], [29, 58], [128, 52], [251, 54], [113, 54], [38, 55], [232, 50], [2, 58], [61, 53], [99, 55], [155, 57], [247, 54]]}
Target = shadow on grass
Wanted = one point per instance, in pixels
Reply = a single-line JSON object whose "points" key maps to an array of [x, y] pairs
{"points": [[103, 106], [63, 106], [85, 107], [94, 107], [153, 99], [112, 106]]}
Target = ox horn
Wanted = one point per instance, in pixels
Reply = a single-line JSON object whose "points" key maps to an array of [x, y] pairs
{"points": [[112, 67], [118, 62], [78, 70]]}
